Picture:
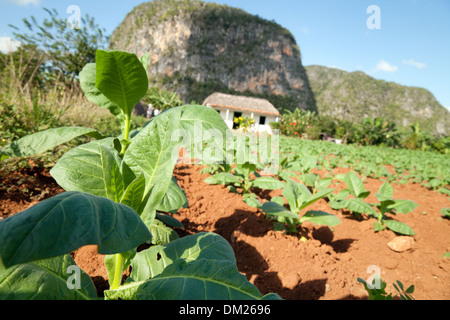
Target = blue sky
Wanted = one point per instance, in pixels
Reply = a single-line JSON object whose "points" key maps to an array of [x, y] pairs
{"points": [[411, 47]]}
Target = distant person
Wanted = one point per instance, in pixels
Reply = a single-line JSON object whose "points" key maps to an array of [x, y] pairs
{"points": [[156, 112], [150, 111]]}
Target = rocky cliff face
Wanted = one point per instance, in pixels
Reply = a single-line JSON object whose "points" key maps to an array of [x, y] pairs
{"points": [[198, 48], [355, 95]]}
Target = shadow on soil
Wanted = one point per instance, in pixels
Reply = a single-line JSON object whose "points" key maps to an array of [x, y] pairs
{"points": [[253, 265], [325, 236]]}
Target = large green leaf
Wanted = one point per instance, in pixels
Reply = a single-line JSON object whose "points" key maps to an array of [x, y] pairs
{"points": [[386, 190], [67, 222], [87, 83], [273, 209], [308, 162], [92, 168], [174, 199], [320, 218], [356, 186], [399, 227], [316, 197], [246, 169], [209, 118], [42, 141], [198, 124], [169, 220], [268, 183], [309, 179], [358, 206], [223, 178], [161, 234], [154, 153], [342, 194], [57, 278], [151, 262], [403, 206], [121, 77], [385, 200], [299, 197], [293, 192], [145, 60], [196, 280], [279, 200], [322, 183], [195, 116], [252, 200], [134, 194]]}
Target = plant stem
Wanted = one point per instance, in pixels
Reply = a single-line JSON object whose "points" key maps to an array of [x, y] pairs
{"points": [[126, 134], [119, 257], [118, 272], [380, 217], [247, 185]]}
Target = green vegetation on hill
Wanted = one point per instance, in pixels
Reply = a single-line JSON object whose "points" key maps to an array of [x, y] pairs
{"points": [[379, 131], [355, 95]]}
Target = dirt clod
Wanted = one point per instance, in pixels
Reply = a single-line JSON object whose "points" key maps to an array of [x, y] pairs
{"points": [[401, 244]]}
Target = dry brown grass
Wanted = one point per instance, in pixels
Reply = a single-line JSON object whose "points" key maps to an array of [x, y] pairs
{"points": [[67, 104]]}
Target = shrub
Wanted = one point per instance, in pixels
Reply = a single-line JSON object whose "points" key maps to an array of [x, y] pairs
{"points": [[244, 123]]}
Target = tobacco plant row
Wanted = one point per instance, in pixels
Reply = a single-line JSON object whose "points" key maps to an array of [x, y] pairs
{"points": [[301, 186]]}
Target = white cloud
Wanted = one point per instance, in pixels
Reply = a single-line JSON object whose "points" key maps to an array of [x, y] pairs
{"points": [[23, 2], [413, 63], [384, 66], [334, 67], [7, 44]]}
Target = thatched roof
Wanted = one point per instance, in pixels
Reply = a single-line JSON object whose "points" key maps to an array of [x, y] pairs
{"points": [[241, 103]]}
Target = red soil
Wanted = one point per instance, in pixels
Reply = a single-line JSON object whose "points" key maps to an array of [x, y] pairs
{"points": [[325, 267]]}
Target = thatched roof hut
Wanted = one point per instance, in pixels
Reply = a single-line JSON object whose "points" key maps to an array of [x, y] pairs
{"points": [[241, 103]]}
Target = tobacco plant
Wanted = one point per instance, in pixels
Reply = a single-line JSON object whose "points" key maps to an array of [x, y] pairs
{"points": [[381, 294], [241, 178], [118, 193], [353, 199], [216, 168], [445, 213], [242, 163], [298, 197]]}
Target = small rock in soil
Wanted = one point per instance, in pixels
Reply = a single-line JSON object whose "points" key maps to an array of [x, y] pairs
{"points": [[401, 244], [289, 281]]}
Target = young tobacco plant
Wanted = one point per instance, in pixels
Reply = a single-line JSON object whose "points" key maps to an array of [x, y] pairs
{"points": [[299, 198], [241, 179], [387, 204], [239, 174], [118, 193], [216, 168], [381, 294]]}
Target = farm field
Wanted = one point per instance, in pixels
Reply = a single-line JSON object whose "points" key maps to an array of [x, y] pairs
{"points": [[182, 208], [318, 262]]}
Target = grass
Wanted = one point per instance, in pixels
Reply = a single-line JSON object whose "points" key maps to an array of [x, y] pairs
{"points": [[29, 103]]}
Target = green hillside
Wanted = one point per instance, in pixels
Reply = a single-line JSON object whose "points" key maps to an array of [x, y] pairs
{"points": [[355, 95]]}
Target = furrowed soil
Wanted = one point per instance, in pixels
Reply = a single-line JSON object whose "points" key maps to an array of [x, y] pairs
{"points": [[325, 267]]}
